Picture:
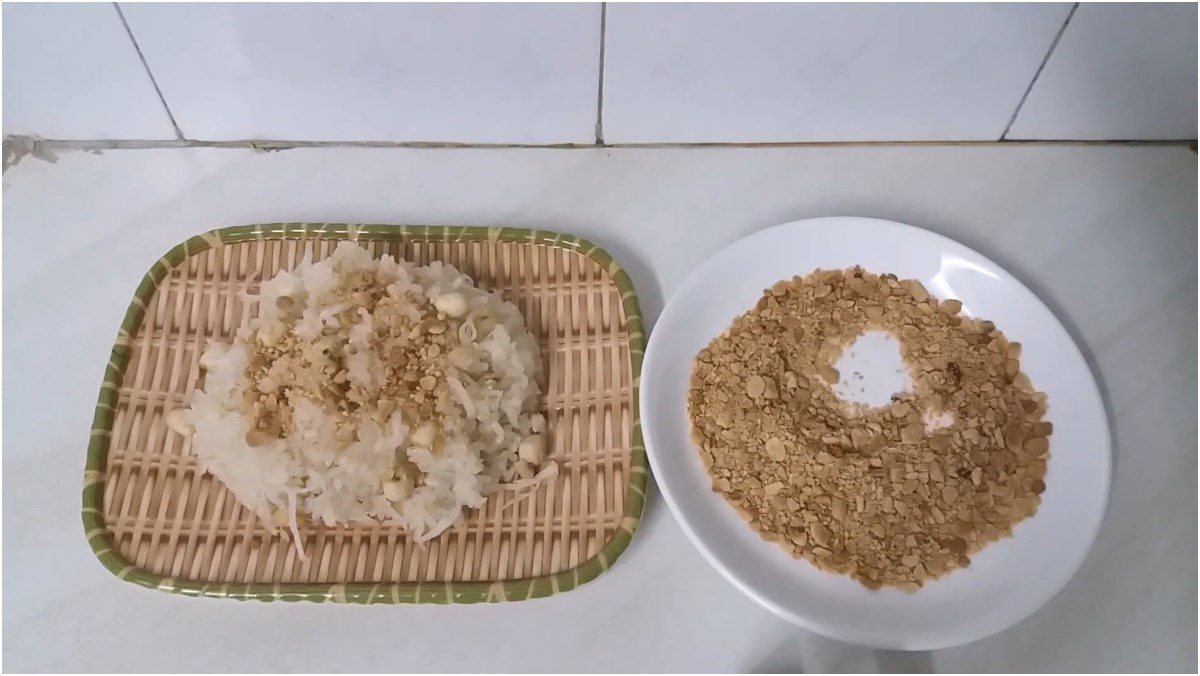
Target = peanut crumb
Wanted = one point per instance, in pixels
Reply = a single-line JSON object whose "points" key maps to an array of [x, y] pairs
{"points": [[881, 494]]}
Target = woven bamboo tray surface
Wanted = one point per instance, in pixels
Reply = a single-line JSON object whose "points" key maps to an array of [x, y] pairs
{"points": [[153, 519]]}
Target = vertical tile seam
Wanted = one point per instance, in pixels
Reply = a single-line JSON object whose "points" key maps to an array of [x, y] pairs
{"points": [[150, 74], [600, 78], [1038, 73]]}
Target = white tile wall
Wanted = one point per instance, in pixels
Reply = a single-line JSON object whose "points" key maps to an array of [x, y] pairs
{"points": [[820, 72], [71, 72], [415, 72], [1121, 71], [528, 73]]}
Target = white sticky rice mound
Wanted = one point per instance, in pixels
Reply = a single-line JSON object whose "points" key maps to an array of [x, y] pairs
{"points": [[493, 388]]}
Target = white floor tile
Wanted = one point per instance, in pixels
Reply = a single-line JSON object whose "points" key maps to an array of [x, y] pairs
{"points": [[1105, 235]]}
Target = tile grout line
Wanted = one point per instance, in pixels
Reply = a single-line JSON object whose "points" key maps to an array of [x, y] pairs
{"points": [[149, 73], [17, 146], [1038, 73], [277, 145], [600, 89]]}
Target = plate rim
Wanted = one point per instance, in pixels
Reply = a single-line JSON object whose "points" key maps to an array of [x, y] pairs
{"points": [[837, 633], [99, 537]]}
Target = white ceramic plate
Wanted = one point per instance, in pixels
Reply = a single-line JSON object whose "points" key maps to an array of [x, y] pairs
{"points": [[1009, 579]]}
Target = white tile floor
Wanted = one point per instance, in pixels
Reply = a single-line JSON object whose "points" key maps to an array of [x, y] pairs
{"points": [[1105, 234]]}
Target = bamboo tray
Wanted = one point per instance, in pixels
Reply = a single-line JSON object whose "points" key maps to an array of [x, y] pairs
{"points": [[154, 520]]}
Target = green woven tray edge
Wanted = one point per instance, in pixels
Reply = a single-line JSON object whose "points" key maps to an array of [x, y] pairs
{"points": [[100, 540]]}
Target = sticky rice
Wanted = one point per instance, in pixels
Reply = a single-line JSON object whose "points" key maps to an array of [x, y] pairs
{"points": [[371, 390]]}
